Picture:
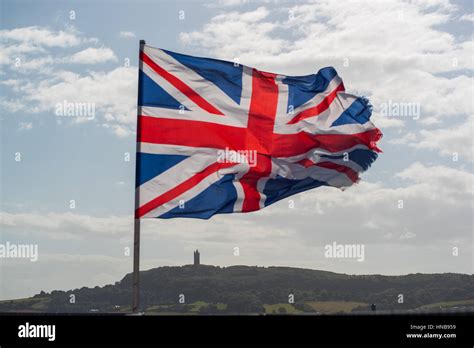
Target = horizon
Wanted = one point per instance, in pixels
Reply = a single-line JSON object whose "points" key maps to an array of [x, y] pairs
{"points": [[248, 266]]}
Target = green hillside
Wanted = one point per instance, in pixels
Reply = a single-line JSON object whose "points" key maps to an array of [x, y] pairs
{"points": [[259, 290]]}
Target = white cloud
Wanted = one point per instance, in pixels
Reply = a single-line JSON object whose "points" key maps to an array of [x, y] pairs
{"points": [[430, 120], [39, 79], [29, 49], [436, 205], [449, 141], [423, 183], [93, 55], [13, 105], [22, 45], [25, 126], [446, 182], [8, 54], [367, 213], [408, 235], [401, 62], [468, 17], [112, 93], [67, 225], [405, 139], [226, 3], [231, 31], [28, 65], [119, 130], [386, 122], [11, 83], [38, 36]]}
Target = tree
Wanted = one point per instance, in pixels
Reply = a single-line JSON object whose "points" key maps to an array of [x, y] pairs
{"points": [[244, 303]]}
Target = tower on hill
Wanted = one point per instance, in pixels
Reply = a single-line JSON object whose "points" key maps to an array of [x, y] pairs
{"points": [[197, 258]]}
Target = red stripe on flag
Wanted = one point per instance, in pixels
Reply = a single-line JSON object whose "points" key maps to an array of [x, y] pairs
{"points": [[250, 181], [190, 133], [287, 145], [351, 174], [316, 110], [183, 87], [181, 188], [262, 115], [305, 162]]}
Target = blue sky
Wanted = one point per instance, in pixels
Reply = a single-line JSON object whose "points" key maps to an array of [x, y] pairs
{"points": [[398, 52]]}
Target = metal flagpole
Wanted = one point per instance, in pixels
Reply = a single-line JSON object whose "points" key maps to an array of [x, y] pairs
{"points": [[136, 230]]}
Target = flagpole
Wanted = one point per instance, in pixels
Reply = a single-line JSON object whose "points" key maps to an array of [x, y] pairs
{"points": [[136, 229]]}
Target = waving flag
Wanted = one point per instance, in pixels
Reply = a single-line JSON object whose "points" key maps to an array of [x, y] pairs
{"points": [[217, 137]]}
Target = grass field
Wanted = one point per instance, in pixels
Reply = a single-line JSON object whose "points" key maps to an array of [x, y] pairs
{"points": [[335, 306], [40, 304], [195, 308], [280, 308], [449, 304], [26, 300]]}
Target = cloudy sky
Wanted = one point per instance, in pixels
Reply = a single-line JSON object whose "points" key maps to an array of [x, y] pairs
{"points": [[67, 182]]}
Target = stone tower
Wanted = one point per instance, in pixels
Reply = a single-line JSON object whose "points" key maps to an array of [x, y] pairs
{"points": [[197, 257]]}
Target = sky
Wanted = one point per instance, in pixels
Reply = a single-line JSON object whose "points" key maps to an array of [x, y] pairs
{"points": [[67, 183]]}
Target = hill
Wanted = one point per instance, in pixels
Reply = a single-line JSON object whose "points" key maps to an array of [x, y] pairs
{"points": [[244, 289]]}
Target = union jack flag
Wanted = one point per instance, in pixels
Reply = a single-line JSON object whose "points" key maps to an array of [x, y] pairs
{"points": [[218, 137]]}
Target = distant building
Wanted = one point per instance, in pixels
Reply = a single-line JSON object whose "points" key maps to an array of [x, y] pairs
{"points": [[197, 258]]}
